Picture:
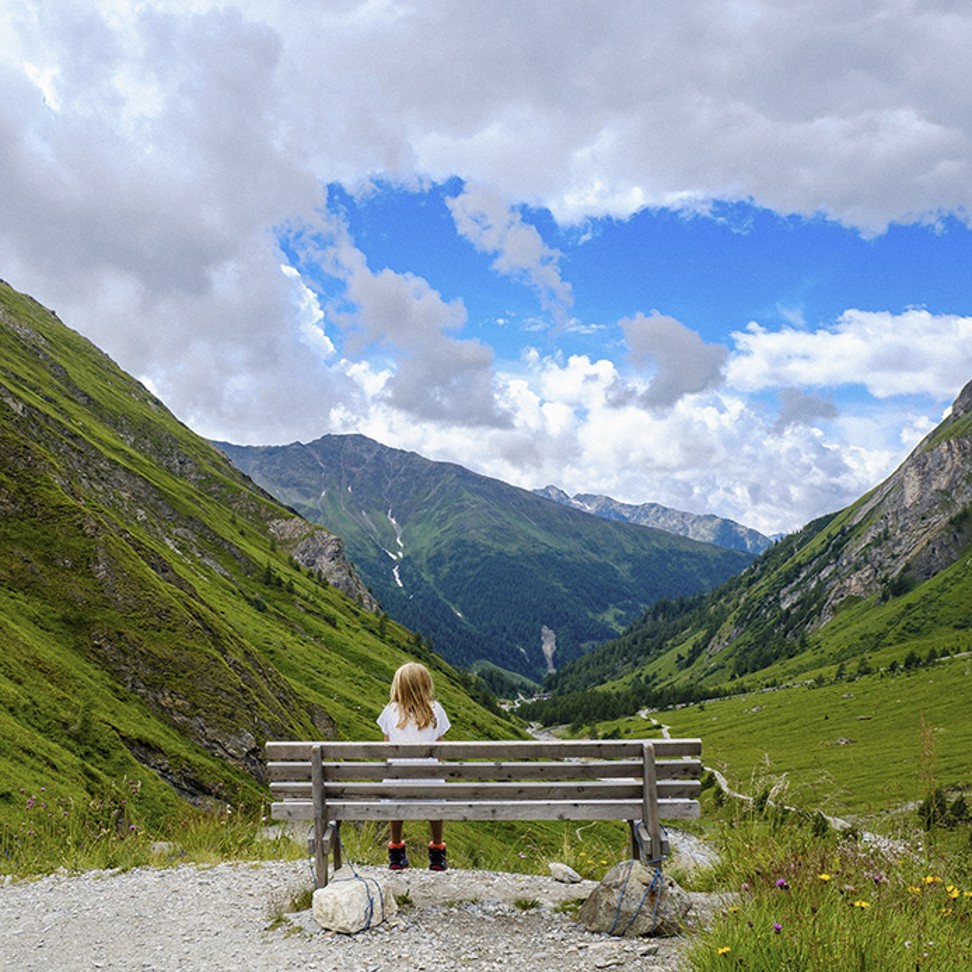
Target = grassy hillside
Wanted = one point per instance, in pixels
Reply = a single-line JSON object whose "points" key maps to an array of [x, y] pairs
{"points": [[155, 625], [481, 567], [882, 581], [854, 746]]}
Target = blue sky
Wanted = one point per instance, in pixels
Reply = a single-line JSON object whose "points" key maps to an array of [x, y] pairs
{"points": [[714, 256]]}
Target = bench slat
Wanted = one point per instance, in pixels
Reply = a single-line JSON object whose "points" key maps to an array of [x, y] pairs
{"points": [[485, 810], [667, 769], [486, 749], [594, 790]]}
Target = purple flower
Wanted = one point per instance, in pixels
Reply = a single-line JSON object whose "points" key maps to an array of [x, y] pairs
{"points": [[777, 927], [782, 885]]}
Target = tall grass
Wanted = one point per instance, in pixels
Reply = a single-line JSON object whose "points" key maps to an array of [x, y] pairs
{"points": [[519, 848], [48, 832], [807, 900]]}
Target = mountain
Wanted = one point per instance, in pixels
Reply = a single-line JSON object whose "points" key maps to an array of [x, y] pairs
{"points": [[705, 527], [883, 584], [488, 571], [160, 615]]}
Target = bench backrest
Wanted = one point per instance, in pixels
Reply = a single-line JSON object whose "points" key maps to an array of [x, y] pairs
{"points": [[493, 780]]}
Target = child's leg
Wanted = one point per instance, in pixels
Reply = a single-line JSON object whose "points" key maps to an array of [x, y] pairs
{"points": [[397, 855], [437, 849]]}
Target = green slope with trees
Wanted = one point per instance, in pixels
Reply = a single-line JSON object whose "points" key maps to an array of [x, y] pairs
{"points": [[481, 567], [158, 623], [880, 586]]}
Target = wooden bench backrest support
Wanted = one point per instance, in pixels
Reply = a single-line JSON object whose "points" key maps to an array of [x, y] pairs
{"points": [[641, 781]]}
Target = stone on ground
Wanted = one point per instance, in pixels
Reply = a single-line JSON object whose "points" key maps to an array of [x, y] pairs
{"points": [[351, 903], [630, 902], [563, 873]]}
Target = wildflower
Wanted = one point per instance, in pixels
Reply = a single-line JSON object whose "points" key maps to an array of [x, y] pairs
{"points": [[824, 877], [968, 894], [914, 888], [861, 903], [945, 911], [952, 891], [782, 885], [932, 879], [723, 950], [777, 927]]}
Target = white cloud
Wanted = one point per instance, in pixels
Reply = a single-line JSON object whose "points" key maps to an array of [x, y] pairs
{"points": [[485, 219], [436, 376], [151, 153], [683, 363], [911, 353]]}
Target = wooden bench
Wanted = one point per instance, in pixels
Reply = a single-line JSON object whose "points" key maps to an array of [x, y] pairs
{"points": [[640, 781]]}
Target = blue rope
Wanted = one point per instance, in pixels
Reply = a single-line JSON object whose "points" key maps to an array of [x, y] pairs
{"points": [[367, 882], [656, 883]]}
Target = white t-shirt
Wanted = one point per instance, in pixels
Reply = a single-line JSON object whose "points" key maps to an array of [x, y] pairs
{"points": [[410, 733]]}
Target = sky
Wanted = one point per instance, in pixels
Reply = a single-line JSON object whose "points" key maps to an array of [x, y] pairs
{"points": [[714, 255]]}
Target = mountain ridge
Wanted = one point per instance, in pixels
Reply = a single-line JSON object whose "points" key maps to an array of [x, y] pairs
{"points": [[704, 527], [878, 584], [477, 564]]}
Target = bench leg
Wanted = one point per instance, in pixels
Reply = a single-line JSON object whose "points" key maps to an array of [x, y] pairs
{"points": [[335, 826], [321, 846]]}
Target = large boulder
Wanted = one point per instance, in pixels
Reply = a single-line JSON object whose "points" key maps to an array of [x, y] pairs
{"points": [[352, 903], [633, 900]]}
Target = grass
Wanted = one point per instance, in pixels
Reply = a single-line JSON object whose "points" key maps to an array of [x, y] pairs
{"points": [[517, 848], [856, 747], [54, 832], [805, 901], [50, 830]]}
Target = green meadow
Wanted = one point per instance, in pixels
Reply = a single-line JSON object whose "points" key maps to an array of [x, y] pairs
{"points": [[857, 746]]}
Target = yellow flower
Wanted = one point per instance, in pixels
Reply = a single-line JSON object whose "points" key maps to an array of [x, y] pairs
{"points": [[946, 911], [862, 904], [724, 950], [931, 879], [914, 888], [824, 877], [952, 891], [968, 894]]}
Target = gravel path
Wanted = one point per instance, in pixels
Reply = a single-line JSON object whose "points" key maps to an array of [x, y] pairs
{"points": [[235, 917]]}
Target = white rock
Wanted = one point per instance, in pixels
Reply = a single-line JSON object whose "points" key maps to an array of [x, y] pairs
{"points": [[351, 903], [563, 873]]}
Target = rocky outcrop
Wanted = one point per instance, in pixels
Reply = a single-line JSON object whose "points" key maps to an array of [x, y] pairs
{"points": [[317, 549], [905, 531], [633, 900]]}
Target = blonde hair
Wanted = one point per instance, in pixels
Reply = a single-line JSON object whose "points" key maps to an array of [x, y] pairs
{"points": [[411, 690]]}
